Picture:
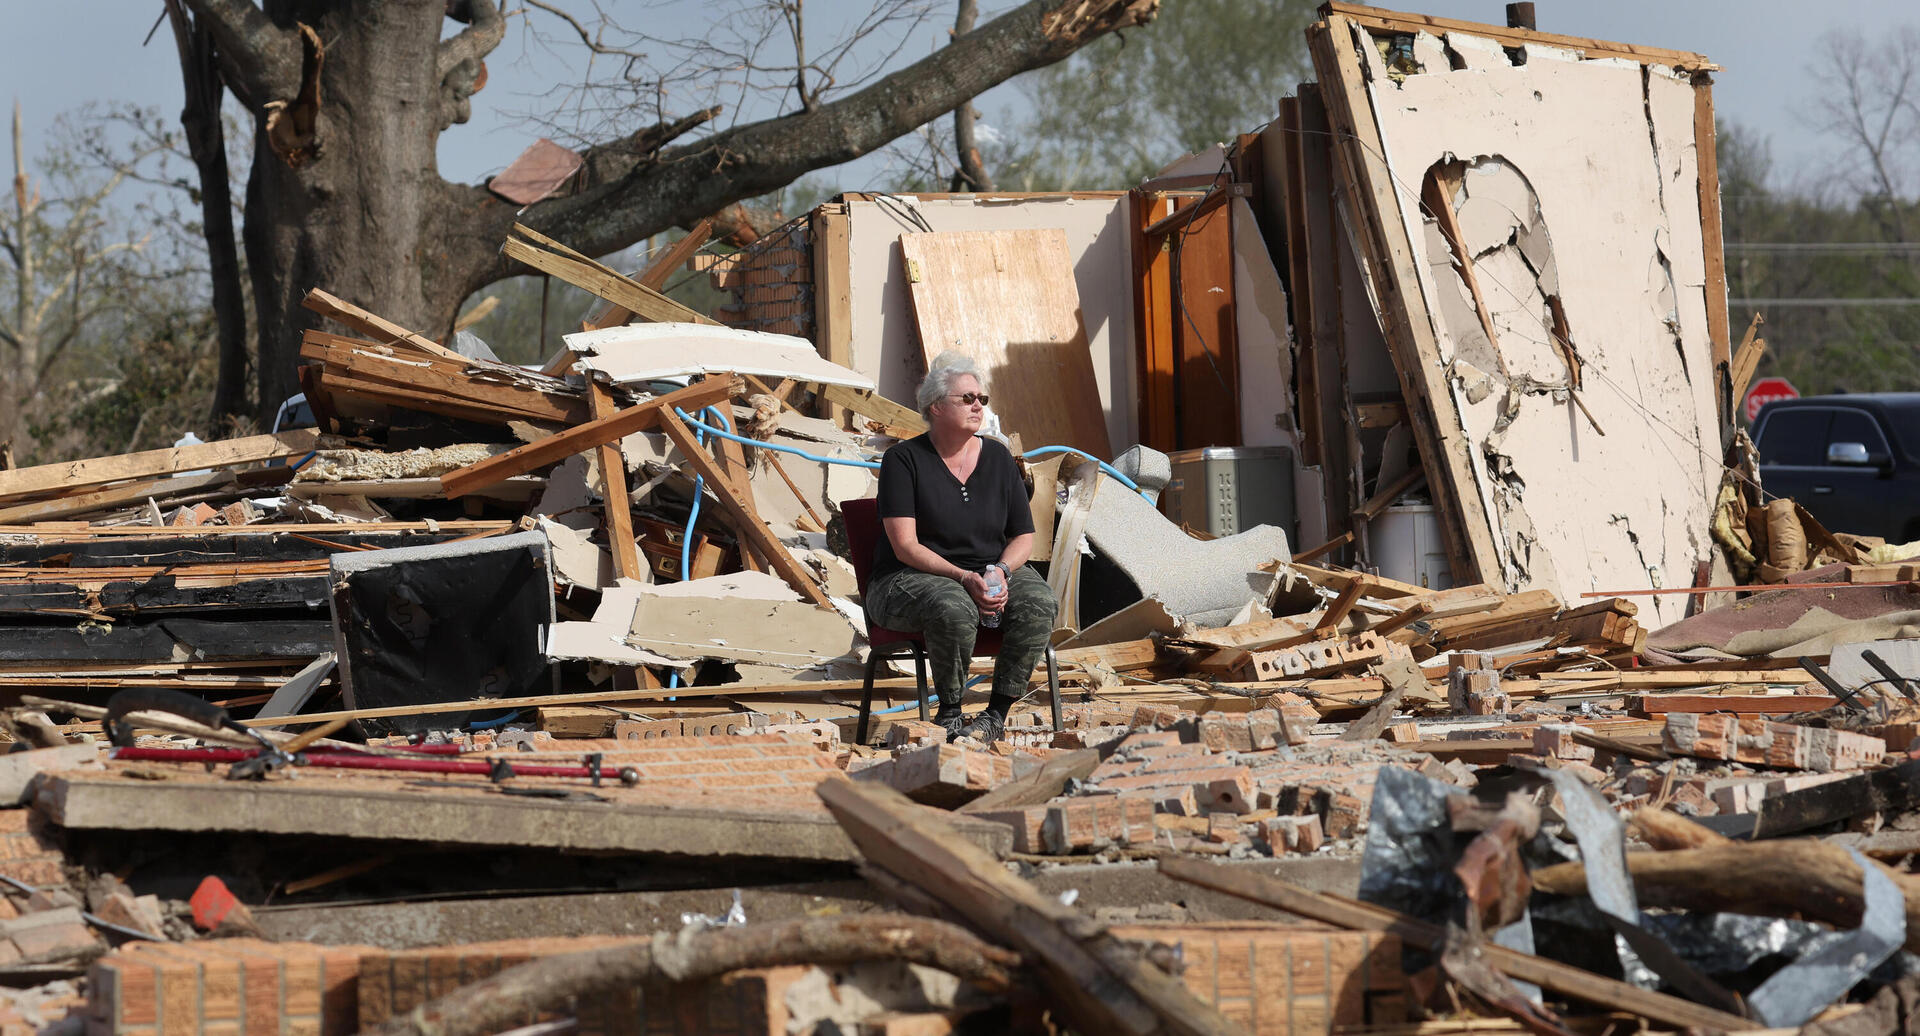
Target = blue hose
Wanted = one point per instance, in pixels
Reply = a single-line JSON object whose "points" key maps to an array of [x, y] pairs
{"points": [[933, 701], [743, 440], [493, 724], [1104, 466], [702, 427]]}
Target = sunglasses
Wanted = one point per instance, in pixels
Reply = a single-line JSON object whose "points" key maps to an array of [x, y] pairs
{"points": [[970, 398]]}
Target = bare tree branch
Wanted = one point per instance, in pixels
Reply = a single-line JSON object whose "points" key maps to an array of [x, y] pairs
{"points": [[260, 60], [473, 43], [751, 159]]}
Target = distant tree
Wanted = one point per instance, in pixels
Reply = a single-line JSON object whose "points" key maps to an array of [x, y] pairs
{"points": [[60, 263], [1120, 110]]}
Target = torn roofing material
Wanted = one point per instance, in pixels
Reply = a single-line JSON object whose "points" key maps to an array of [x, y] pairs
{"points": [[633, 354]]}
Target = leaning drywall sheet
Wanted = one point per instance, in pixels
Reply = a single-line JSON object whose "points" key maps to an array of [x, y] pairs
{"points": [[1573, 187], [885, 345]]}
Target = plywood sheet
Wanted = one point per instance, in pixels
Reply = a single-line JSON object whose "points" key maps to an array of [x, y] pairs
{"points": [[1007, 298], [881, 339]]}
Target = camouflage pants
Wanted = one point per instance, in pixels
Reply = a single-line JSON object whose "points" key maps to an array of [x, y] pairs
{"points": [[942, 611]]}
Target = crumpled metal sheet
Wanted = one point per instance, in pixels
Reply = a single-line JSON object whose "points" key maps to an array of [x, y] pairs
{"points": [[1407, 863], [1797, 992], [1645, 959]]}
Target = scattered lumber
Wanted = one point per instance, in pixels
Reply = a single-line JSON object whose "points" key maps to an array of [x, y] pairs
{"points": [[1105, 984]]}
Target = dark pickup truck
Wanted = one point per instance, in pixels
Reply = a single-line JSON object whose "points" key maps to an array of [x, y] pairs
{"points": [[1853, 461]]}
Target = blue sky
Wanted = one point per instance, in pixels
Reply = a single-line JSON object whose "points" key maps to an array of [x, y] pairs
{"points": [[58, 56]]}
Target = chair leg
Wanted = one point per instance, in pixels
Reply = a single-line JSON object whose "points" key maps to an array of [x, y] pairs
{"points": [[920, 679], [1053, 685], [866, 699]]}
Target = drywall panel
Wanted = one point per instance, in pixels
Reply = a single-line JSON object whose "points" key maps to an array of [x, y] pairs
{"points": [[885, 345], [1573, 181]]}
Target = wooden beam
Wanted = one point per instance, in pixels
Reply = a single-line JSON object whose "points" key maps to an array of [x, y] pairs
{"points": [[1330, 619], [1390, 492], [1379, 19], [41, 479], [108, 499], [371, 361], [1180, 217], [1103, 984], [1367, 188], [1365, 917], [1746, 360], [871, 404], [595, 278], [753, 532], [654, 276], [580, 438], [1326, 548], [1719, 331], [385, 331], [613, 474]]}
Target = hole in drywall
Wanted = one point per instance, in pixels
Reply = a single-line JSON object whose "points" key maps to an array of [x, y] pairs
{"points": [[1537, 96]]}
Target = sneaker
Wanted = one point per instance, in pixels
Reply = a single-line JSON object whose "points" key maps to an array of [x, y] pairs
{"points": [[986, 727], [954, 723]]}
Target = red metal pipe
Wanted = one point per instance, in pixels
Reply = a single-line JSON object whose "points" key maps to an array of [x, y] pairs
{"points": [[356, 761]]}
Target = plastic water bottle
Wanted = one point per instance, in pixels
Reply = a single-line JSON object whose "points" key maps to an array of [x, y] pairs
{"points": [[991, 620]]}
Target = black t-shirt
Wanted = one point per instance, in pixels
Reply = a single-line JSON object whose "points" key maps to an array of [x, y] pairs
{"points": [[967, 525]]}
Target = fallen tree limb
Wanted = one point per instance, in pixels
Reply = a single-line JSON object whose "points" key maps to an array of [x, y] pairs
{"points": [[515, 996], [1786, 878]]}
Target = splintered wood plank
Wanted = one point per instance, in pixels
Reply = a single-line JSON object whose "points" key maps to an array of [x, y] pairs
{"points": [[581, 438], [1007, 299], [1380, 19], [370, 361], [654, 276], [349, 315], [832, 238], [613, 471], [551, 257], [1373, 209], [753, 532], [871, 404], [41, 479], [1719, 330]]}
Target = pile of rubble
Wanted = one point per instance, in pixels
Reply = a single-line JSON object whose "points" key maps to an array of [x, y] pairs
{"points": [[511, 699]]}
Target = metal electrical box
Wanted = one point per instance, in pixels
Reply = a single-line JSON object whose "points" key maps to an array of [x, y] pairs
{"points": [[1223, 490]]}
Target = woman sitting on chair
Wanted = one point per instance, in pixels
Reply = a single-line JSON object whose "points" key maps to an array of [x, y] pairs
{"points": [[953, 506]]}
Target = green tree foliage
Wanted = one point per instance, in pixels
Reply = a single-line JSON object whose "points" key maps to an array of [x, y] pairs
{"points": [[1123, 108], [1834, 266]]}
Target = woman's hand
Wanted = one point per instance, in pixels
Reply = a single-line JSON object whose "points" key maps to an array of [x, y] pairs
{"points": [[976, 585]]}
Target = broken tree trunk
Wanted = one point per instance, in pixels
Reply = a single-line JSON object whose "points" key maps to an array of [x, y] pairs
{"points": [[508, 998], [1784, 878]]}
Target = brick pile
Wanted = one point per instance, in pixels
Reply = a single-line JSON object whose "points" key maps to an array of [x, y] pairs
{"points": [[1758, 741], [1285, 981], [1217, 784]]}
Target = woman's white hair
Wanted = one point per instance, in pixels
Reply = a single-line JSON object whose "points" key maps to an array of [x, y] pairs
{"points": [[938, 383]]}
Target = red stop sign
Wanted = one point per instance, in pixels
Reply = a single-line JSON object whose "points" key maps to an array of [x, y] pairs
{"points": [[1768, 390]]}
